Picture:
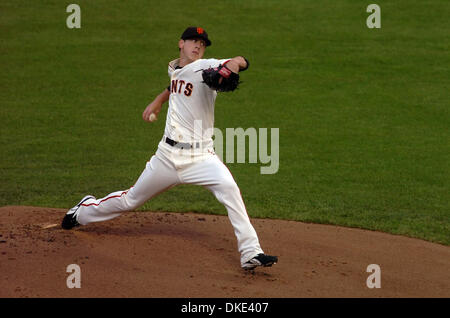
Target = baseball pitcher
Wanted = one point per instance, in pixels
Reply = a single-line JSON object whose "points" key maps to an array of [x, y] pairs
{"points": [[185, 154]]}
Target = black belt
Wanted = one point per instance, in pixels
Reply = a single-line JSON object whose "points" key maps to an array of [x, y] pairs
{"points": [[181, 145]]}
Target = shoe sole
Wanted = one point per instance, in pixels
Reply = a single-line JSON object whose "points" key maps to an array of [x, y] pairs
{"points": [[262, 265]]}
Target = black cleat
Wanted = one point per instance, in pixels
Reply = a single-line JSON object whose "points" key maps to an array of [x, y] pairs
{"points": [[260, 260], [70, 219]]}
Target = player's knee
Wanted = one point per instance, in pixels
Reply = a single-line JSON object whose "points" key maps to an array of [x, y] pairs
{"points": [[229, 185], [131, 203]]}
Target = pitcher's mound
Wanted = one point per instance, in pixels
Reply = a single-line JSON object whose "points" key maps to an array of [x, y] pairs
{"points": [[147, 254]]}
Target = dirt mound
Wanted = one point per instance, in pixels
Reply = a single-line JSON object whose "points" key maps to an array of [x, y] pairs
{"points": [[192, 255]]}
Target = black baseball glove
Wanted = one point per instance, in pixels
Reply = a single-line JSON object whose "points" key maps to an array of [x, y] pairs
{"points": [[220, 78]]}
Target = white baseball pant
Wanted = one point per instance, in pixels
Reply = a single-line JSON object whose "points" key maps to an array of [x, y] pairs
{"points": [[170, 167]]}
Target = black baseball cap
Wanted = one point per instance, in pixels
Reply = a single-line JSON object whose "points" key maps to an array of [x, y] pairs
{"points": [[196, 32]]}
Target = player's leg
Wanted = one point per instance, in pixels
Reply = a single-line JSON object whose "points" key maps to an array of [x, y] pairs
{"points": [[157, 177], [216, 177]]}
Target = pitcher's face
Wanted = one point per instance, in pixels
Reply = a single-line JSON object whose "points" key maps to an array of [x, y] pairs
{"points": [[192, 49]]}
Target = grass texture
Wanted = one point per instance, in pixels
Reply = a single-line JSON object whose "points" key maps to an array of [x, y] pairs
{"points": [[363, 113]]}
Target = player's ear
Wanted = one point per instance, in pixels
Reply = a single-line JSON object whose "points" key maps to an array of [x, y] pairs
{"points": [[181, 44]]}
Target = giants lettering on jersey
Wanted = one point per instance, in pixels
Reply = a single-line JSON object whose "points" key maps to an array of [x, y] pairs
{"points": [[178, 85]]}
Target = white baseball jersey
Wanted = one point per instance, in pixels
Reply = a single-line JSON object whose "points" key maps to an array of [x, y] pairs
{"points": [[190, 100]]}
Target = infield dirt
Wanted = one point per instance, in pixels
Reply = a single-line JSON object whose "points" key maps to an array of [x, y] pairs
{"points": [[149, 254]]}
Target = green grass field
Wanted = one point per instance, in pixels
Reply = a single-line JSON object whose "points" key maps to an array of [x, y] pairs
{"points": [[363, 113]]}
